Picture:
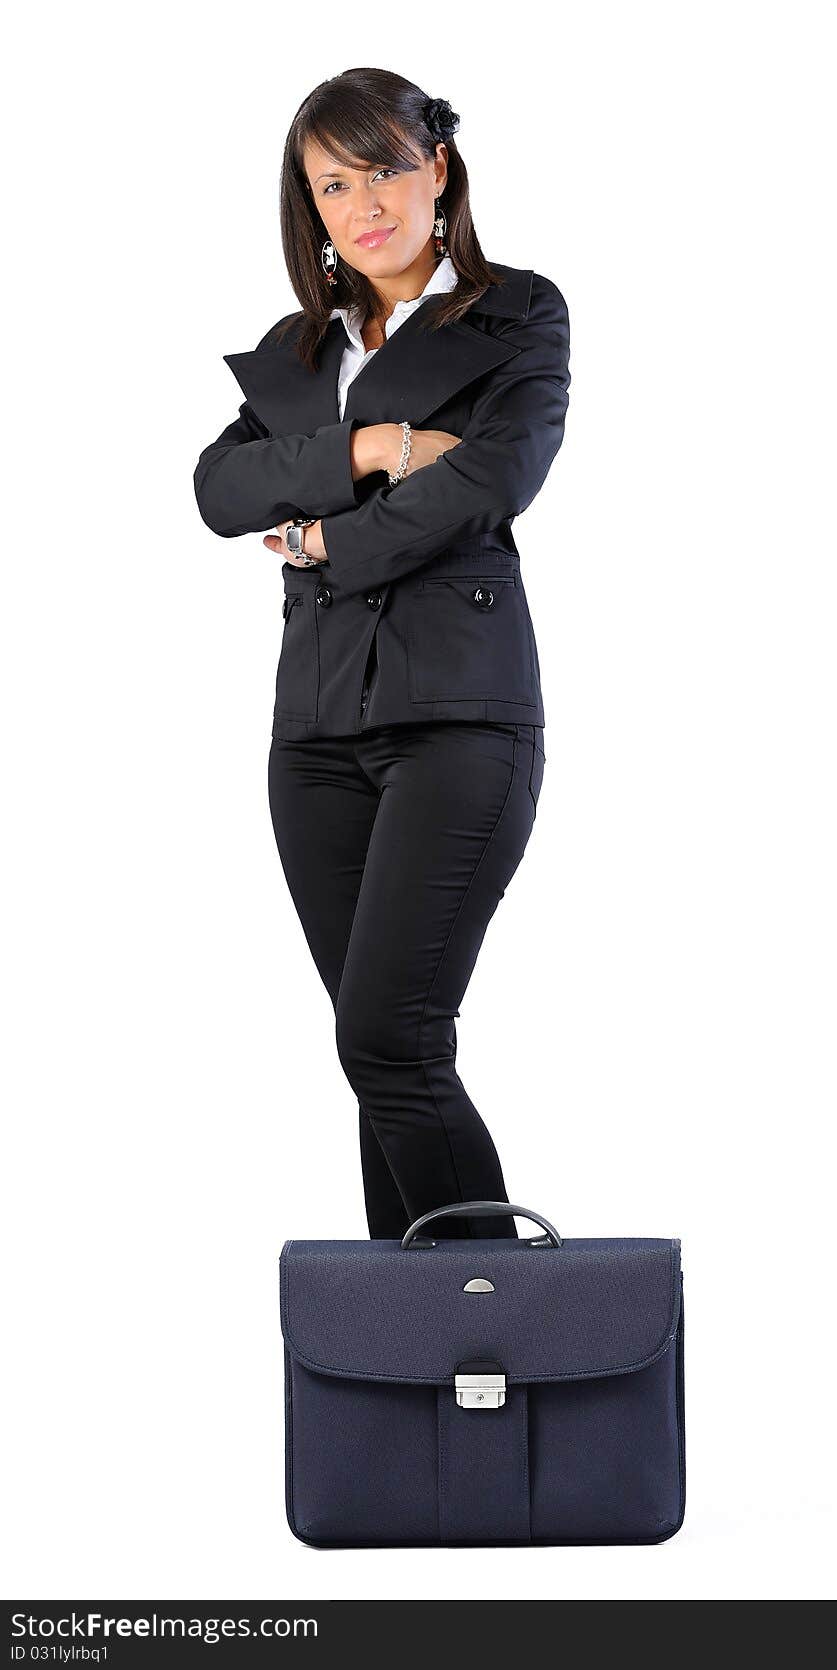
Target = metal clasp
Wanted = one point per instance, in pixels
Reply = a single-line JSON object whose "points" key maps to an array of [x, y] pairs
{"points": [[481, 1391]]}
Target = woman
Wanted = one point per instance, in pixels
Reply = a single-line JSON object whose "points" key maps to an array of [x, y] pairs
{"points": [[390, 433]]}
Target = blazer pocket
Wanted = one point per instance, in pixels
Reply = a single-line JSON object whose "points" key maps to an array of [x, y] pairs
{"points": [[298, 673], [470, 639]]}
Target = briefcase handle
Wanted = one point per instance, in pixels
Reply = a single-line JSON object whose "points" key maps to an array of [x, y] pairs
{"points": [[480, 1209]]}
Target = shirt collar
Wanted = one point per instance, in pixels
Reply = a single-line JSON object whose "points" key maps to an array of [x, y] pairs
{"points": [[443, 277]]}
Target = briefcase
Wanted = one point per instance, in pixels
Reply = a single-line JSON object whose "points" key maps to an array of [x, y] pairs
{"points": [[460, 1392]]}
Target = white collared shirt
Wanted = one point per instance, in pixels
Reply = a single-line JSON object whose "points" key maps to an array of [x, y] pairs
{"points": [[443, 277]]}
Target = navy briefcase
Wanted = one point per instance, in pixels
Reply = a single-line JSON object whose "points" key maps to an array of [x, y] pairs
{"points": [[469, 1391]]}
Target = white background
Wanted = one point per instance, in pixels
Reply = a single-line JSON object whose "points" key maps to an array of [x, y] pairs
{"points": [[649, 1032]]}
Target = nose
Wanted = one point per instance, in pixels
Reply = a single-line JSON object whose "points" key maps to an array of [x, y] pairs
{"points": [[372, 208]]}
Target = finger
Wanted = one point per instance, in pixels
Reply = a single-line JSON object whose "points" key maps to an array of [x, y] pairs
{"points": [[276, 540], [278, 545]]}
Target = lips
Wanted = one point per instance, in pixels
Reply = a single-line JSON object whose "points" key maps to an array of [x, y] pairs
{"points": [[372, 240]]}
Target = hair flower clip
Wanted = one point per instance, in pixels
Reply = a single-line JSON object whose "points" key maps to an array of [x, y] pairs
{"points": [[441, 120]]}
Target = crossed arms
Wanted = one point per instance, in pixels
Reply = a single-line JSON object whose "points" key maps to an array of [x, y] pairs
{"points": [[248, 481]]}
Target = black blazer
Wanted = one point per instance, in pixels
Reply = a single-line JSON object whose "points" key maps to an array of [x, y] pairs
{"points": [[419, 612]]}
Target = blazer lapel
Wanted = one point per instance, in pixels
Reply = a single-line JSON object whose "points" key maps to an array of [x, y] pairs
{"points": [[288, 398], [413, 374], [417, 371]]}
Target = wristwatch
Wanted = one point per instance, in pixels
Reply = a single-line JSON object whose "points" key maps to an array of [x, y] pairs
{"points": [[295, 536]]}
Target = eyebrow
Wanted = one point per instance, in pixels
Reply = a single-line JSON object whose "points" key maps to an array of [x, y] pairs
{"points": [[334, 173]]}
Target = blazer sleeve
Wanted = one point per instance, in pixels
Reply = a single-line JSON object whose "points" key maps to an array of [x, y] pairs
{"points": [[248, 480], [512, 436]]}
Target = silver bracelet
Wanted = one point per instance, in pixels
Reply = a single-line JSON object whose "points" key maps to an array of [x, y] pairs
{"points": [[406, 445]]}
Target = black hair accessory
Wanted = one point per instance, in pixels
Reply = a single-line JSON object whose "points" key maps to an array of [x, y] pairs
{"points": [[441, 120]]}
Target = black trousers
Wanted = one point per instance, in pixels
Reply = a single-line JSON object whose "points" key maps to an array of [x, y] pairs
{"points": [[397, 847]]}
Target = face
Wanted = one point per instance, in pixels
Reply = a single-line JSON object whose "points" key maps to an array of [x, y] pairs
{"points": [[356, 201]]}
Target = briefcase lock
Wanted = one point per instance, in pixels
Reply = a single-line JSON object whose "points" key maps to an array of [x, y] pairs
{"points": [[480, 1386]]}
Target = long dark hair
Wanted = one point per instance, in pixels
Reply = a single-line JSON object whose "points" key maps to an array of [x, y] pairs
{"points": [[365, 117]]}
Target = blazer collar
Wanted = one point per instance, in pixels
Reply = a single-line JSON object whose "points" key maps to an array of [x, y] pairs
{"points": [[511, 298], [412, 375]]}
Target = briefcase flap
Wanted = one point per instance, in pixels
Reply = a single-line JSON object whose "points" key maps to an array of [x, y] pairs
{"points": [[370, 1310]]}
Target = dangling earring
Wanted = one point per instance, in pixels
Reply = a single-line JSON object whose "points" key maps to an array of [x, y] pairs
{"points": [[328, 257], [440, 227]]}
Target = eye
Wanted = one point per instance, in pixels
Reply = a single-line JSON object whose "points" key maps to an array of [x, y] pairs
{"points": [[328, 189]]}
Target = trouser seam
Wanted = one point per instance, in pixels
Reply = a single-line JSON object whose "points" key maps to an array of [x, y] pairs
{"points": [[442, 956]]}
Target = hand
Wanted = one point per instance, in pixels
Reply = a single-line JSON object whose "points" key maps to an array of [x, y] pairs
{"points": [[312, 541], [426, 446]]}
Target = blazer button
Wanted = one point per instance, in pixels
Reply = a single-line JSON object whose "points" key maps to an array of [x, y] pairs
{"points": [[374, 599], [323, 595], [484, 597]]}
